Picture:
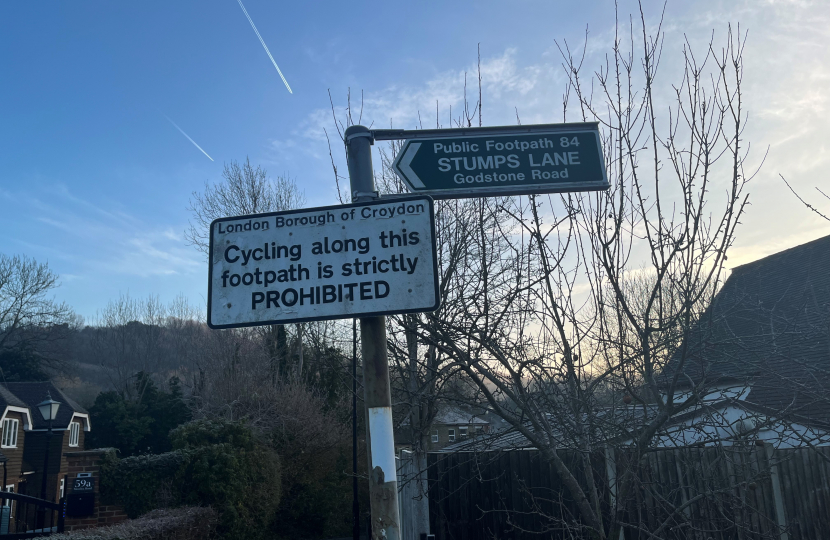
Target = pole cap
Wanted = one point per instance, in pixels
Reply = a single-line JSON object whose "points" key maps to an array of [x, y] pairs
{"points": [[355, 131]]}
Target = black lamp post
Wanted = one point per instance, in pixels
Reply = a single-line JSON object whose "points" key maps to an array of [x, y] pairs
{"points": [[49, 410], [3, 487], [2, 496]]}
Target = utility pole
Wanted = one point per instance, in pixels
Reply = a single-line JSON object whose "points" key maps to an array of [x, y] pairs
{"points": [[383, 481]]}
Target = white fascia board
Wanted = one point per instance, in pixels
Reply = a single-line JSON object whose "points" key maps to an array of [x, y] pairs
{"points": [[27, 422], [85, 416]]}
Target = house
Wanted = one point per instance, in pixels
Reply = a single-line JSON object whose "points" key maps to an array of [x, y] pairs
{"points": [[760, 355], [15, 419], [759, 360], [451, 424], [25, 434]]}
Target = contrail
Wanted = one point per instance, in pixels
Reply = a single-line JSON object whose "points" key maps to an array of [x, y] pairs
{"points": [[188, 137], [264, 46]]}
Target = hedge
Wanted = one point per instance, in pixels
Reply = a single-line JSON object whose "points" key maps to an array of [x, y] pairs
{"points": [[138, 482], [188, 523], [214, 463]]}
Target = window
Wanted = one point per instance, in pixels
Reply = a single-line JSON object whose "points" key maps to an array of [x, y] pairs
{"points": [[63, 486], [462, 431], [9, 433], [451, 436], [74, 433], [435, 435]]}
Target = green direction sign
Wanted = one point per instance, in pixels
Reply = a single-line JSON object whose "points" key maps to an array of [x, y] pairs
{"points": [[512, 160]]}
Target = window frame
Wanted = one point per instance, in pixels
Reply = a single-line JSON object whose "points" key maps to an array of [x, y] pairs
{"points": [[435, 435], [463, 431], [451, 434], [9, 436], [74, 433]]}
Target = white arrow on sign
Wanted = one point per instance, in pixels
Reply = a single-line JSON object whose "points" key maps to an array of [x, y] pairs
{"points": [[404, 162]]}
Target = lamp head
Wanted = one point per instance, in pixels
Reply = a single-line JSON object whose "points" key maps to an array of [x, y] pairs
{"points": [[49, 407]]}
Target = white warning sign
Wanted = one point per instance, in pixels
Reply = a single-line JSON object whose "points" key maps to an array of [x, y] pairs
{"points": [[333, 262]]}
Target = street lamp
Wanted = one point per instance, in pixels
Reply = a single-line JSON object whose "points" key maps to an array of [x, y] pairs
{"points": [[49, 410]]}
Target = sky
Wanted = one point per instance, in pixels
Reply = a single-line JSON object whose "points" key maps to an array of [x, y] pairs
{"points": [[113, 113]]}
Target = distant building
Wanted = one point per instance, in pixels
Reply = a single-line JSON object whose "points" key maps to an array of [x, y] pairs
{"points": [[452, 424]]}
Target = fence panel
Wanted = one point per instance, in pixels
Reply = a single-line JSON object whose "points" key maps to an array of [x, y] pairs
{"points": [[684, 493], [804, 474]]}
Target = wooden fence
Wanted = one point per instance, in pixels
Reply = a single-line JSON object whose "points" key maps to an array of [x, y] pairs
{"points": [[744, 493]]}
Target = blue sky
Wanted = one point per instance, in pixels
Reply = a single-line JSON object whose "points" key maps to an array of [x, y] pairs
{"points": [[96, 181]]}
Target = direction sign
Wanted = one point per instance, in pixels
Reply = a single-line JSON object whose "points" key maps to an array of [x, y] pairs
{"points": [[333, 262], [511, 160]]}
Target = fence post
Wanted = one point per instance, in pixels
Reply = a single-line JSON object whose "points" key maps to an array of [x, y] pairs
{"points": [[777, 495], [62, 501], [413, 502], [611, 472]]}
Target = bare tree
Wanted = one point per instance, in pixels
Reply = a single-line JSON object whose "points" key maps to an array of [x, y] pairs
{"points": [[29, 317], [811, 207], [131, 338], [298, 420], [556, 303], [245, 190]]}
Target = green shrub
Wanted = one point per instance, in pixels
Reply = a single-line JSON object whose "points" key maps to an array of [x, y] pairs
{"points": [[243, 485], [138, 426], [215, 463], [138, 482], [206, 432]]}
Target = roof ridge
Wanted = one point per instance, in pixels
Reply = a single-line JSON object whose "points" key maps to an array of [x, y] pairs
{"points": [[784, 252]]}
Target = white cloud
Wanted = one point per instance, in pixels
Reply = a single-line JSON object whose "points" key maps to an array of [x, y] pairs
{"points": [[503, 80], [786, 94]]}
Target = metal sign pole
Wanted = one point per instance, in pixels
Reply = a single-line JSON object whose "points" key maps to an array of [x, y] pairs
{"points": [[383, 485], [355, 500]]}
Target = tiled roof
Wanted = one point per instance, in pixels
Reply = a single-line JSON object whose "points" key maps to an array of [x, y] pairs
{"points": [[7, 398], [769, 328], [32, 393], [609, 423], [454, 416]]}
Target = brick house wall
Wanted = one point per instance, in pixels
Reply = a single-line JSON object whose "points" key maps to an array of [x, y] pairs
{"points": [[443, 431], [14, 457], [89, 461], [14, 465], [58, 462], [66, 449]]}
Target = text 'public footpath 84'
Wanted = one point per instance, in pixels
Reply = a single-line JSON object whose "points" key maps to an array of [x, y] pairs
{"points": [[503, 161], [332, 262]]}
